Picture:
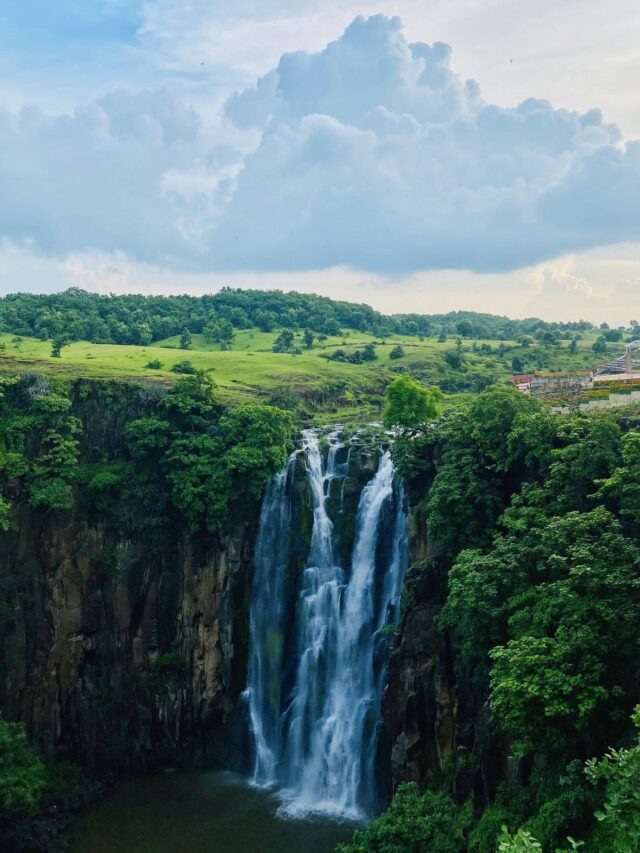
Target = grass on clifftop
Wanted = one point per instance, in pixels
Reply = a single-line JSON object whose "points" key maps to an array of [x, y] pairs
{"points": [[250, 369]]}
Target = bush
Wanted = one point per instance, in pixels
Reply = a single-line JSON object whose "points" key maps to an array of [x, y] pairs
{"points": [[415, 822], [22, 774], [155, 364], [397, 352], [186, 367]]}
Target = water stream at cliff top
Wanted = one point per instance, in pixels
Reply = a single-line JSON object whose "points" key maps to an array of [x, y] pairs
{"points": [[320, 637]]}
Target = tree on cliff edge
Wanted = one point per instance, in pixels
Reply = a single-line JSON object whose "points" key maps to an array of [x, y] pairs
{"points": [[409, 404]]}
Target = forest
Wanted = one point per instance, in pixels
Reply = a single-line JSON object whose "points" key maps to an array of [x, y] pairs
{"points": [[133, 319], [534, 522]]}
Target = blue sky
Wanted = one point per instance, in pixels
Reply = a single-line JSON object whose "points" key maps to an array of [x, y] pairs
{"points": [[415, 155]]}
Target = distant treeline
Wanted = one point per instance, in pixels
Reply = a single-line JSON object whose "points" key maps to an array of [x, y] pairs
{"points": [[76, 314]]}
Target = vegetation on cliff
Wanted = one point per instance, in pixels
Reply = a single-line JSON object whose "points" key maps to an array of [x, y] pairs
{"points": [[534, 560], [185, 450], [315, 356]]}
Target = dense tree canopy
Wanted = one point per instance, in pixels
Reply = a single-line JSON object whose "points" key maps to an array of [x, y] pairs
{"points": [[409, 405], [135, 319], [534, 563]]}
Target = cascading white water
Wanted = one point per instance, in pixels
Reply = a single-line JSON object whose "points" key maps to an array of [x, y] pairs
{"points": [[268, 612], [315, 690]]}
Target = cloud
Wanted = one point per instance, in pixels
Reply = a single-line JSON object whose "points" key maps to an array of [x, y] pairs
{"points": [[372, 154], [94, 179], [375, 154]]}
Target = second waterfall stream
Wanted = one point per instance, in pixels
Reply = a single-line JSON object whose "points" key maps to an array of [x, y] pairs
{"points": [[320, 625]]}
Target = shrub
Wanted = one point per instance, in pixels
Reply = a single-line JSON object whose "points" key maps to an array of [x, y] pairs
{"points": [[186, 367], [22, 773], [415, 822]]}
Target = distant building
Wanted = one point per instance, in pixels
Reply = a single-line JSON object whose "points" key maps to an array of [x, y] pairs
{"points": [[523, 381]]}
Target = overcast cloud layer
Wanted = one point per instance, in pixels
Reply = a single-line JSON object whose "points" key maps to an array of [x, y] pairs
{"points": [[145, 145], [372, 153]]}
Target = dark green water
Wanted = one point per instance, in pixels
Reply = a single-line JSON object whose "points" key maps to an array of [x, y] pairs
{"points": [[198, 813]]}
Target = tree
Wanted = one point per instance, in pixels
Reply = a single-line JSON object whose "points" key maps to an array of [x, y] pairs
{"points": [[185, 339], [284, 341], [612, 335], [517, 364], [453, 358], [308, 338], [574, 637], [397, 352], [464, 328], [573, 346], [623, 486], [619, 830], [56, 346], [220, 331], [600, 345], [409, 405], [266, 320], [369, 352]]}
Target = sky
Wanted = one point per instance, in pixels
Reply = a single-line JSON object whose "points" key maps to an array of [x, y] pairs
{"points": [[418, 155]]}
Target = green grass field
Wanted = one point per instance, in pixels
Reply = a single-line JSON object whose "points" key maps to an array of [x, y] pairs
{"points": [[250, 369]]}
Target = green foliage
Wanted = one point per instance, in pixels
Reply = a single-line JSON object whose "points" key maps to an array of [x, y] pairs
{"points": [[619, 770], [55, 470], [154, 364], [416, 822], [185, 339], [410, 405], [492, 417], [454, 359], [136, 319], [535, 562], [521, 842], [566, 671], [203, 459], [369, 352], [22, 774], [185, 367], [284, 342], [464, 501], [397, 352], [60, 778], [623, 486], [56, 346], [170, 663], [220, 331]]}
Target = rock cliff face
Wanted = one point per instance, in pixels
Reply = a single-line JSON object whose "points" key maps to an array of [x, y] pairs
{"points": [[123, 652], [131, 652], [431, 719], [418, 701]]}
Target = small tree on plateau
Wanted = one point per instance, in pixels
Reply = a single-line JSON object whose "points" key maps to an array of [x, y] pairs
{"points": [[185, 339], [409, 404], [56, 347]]}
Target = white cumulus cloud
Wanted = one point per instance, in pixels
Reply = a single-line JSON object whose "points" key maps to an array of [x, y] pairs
{"points": [[372, 154], [375, 154]]}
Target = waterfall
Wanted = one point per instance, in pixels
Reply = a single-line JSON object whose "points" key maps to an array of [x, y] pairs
{"points": [[318, 658]]}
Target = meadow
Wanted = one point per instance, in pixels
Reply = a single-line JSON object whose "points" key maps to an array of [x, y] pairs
{"points": [[307, 380]]}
